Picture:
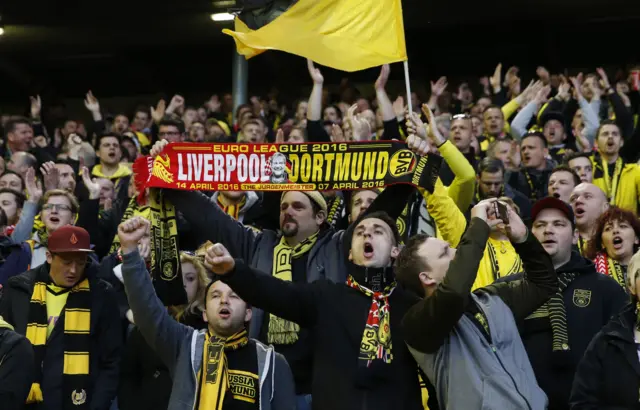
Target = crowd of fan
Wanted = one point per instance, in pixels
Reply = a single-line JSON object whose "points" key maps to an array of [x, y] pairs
{"points": [[401, 298]]}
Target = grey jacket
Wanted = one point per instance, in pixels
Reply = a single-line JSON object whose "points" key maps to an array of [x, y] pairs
{"points": [[473, 374], [181, 347], [326, 259]]}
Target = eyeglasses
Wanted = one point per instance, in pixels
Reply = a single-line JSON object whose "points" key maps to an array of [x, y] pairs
{"points": [[56, 207], [461, 117]]}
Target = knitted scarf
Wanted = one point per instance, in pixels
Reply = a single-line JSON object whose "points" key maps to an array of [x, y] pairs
{"points": [[376, 339], [76, 341], [282, 331], [214, 374], [335, 206], [165, 258], [233, 210], [610, 267], [558, 314]]}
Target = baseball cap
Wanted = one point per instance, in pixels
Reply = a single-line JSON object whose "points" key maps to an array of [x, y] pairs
{"points": [[69, 238], [315, 196], [551, 202]]}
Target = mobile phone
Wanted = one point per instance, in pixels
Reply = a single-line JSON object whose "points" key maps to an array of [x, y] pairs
{"points": [[501, 211]]}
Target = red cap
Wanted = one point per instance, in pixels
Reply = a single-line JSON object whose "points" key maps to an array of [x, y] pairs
{"points": [[551, 202], [69, 238]]}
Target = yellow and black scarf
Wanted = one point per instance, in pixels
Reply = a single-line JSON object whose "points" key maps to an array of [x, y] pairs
{"points": [[214, 375], [558, 314], [233, 210], [165, 257], [610, 267], [376, 339], [282, 331], [335, 206], [76, 341], [611, 182]]}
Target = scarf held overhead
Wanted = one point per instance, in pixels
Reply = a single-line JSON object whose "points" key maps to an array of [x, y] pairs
{"points": [[76, 341], [286, 167]]}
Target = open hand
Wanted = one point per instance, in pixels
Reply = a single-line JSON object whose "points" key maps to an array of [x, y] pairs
{"points": [[158, 112], [36, 106], [34, 190], [315, 73], [50, 175], [381, 82], [91, 103], [92, 185]]}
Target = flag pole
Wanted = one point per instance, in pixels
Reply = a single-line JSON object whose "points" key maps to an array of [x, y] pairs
{"points": [[406, 82]]}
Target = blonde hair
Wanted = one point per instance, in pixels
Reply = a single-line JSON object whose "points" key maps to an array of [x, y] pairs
{"points": [[196, 306], [633, 271]]}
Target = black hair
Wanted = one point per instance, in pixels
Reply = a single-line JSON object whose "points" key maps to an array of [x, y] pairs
{"points": [[575, 155], [11, 125], [168, 122], [538, 135], [608, 122], [565, 168], [490, 165], [384, 217], [3, 218], [107, 135], [335, 107], [20, 197], [492, 106], [214, 278], [409, 265]]}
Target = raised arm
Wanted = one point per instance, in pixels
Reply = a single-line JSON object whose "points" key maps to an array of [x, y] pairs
{"points": [[315, 128], [161, 332], [291, 301], [428, 323], [540, 281]]}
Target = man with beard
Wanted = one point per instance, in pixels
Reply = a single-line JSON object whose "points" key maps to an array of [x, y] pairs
{"points": [[360, 358], [558, 333], [491, 184]]}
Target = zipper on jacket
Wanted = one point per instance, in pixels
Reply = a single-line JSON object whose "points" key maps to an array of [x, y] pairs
{"points": [[495, 352]]}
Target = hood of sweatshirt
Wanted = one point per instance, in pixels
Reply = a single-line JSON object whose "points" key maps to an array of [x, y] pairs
{"points": [[577, 264], [4, 324]]}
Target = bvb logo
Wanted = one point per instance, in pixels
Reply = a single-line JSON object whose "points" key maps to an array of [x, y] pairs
{"points": [[402, 163], [78, 397], [161, 169], [581, 297], [168, 273]]}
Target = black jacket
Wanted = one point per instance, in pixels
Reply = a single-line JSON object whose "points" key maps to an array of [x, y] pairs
{"points": [[16, 375], [539, 180], [590, 301], [106, 338], [608, 375], [336, 316]]}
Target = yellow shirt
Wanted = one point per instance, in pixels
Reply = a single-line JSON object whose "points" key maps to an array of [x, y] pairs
{"points": [[55, 304], [500, 259]]}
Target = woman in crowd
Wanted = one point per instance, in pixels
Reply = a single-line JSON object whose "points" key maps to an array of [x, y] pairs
{"points": [[145, 382], [615, 240], [608, 375]]}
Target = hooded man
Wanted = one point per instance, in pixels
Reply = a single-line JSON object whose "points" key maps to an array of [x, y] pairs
{"points": [[557, 334], [216, 368], [360, 358]]}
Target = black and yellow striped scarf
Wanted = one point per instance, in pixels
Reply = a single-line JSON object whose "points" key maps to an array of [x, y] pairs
{"points": [[165, 257], [558, 314], [214, 374], [335, 206], [282, 331], [76, 341], [233, 210]]}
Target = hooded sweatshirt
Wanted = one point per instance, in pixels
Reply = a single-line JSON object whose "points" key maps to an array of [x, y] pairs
{"points": [[590, 300], [15, 377]]}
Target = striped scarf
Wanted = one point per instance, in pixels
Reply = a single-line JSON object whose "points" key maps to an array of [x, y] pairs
{"points": [[76, 341], [335, 206], [283, 331], [610, 267], [558, 314], [214, 374], [233, 210], [376, 339]]}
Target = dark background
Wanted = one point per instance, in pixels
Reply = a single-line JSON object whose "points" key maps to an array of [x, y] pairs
{"points": [[143, 49]]}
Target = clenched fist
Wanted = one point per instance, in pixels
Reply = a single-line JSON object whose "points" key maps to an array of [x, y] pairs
{"points": [[218, 260], [131, 231]]}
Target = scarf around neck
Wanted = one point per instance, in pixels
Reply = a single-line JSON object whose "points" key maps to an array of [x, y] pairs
{"points": [[610, 267], [283, 331], [76, 340], [376, 338], [214, 374]]}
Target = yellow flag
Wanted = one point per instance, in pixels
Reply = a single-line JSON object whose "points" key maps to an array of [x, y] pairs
{"points": [[348, 35]]}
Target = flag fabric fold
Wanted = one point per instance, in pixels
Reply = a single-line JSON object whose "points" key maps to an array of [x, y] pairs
{"points": [[348, 35]]}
